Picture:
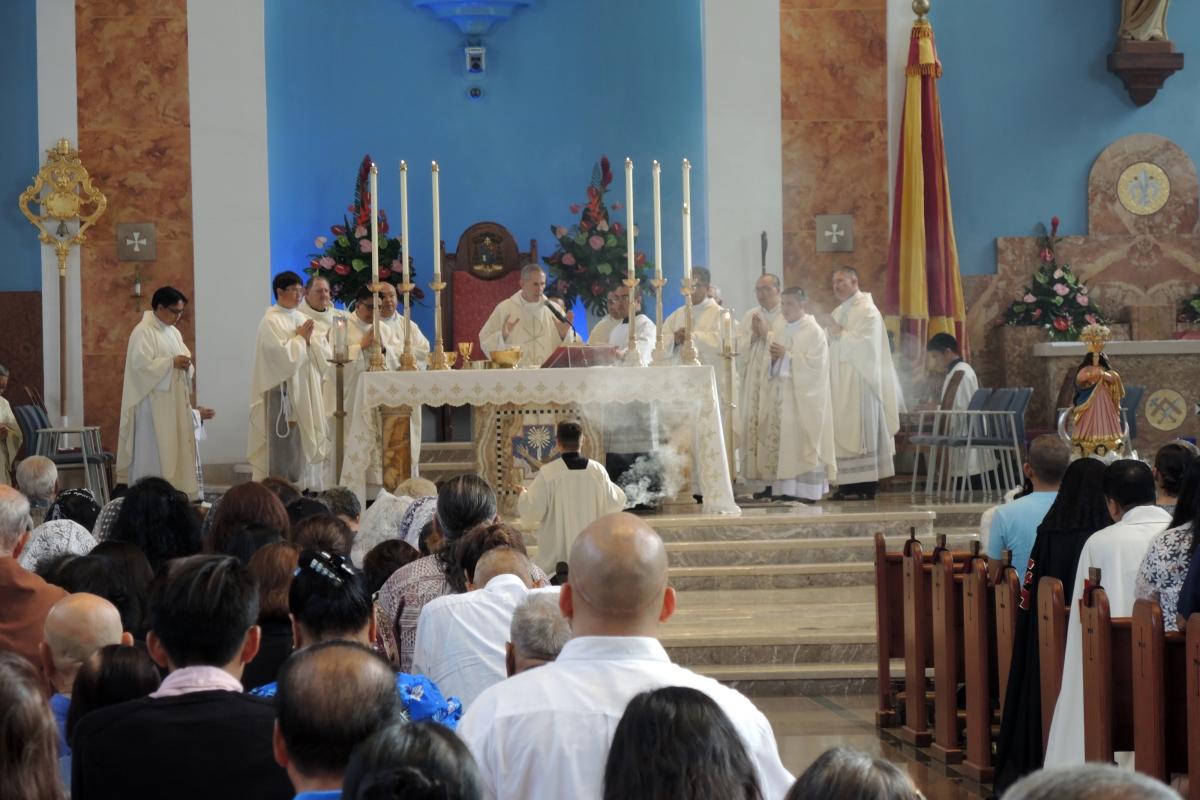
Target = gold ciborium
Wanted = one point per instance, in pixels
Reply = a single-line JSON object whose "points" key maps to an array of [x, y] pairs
{"points": [[464, 352], [506, 359]]}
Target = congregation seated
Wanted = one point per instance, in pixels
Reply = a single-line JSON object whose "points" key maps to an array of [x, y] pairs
{"points": [[1170, 462], [37, 478], [28, 752], [282, 488], [272, 567], [303, 508], [244, 504], [249, 539], [841, 772], [1089, 782], [344, 505], [537, 635], [696, 751], [384, 559], [412, 760], [323, 531], [77, 505], [25, 598], [329, 602], [384, 519], [332, 696], [116, 571], [159, 519], [55, 533], [1164, 570], [1014, 525], [546, 732], [202, 613]]}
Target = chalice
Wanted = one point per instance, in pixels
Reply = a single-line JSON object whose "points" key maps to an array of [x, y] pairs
{"points": [[464, 351]]}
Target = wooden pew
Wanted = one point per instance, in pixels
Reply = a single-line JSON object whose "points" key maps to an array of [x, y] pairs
{"points": [[946, 599], [980, 644], [1053, 614], [1107, 676], [1162, 702], [889, 622], [1192, 666], [1008, 600]]}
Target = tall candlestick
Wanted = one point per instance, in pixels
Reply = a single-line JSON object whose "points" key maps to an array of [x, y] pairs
{"points": [[656, 170], [437, 229], [404, 218], [374, 224], [629, 237], [687, 220]]}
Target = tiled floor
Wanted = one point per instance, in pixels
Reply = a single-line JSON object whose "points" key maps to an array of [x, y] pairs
{"points": [[805, 727]]}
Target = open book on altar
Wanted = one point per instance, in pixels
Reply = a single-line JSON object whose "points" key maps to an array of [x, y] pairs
{"points": [[582, 355]]}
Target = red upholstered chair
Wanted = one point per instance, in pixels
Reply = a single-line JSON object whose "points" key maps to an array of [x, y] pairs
{"points": [[482, 271]]}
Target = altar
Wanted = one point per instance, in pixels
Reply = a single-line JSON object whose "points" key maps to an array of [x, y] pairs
{"points": [[684, 398]]}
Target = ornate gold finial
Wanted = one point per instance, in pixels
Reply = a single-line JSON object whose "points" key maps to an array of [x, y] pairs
{"points": [[921, 8], [1095, 335], [70, 196]]}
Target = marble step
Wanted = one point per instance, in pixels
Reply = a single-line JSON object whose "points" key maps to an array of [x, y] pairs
{"points": [[772, 576], [790, 680], [811, 523], [839, 549]]}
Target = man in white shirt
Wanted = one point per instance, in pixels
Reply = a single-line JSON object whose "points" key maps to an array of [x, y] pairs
{"points": [[461, 637], [526, 320], [546, 732], [567, 495], [1118, 551]]}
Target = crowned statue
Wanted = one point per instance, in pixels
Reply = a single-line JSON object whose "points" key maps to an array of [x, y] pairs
{"points": [[1096, 428]]}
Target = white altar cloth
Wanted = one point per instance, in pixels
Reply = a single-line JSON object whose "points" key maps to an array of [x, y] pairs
{"points": [[691, 389]]}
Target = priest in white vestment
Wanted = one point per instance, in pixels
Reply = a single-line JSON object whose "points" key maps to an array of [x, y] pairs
{"points": [[864, 388], [158, 428], [393, 318], [1117, 550], [317, 305], [958, 387], [526, 320], [757, 404], [10, 433], [288, 435], [805, 460], [602, 330], [566, 496]]}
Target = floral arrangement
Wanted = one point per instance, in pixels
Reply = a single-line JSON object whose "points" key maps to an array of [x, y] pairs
{"points": [[591, 257], [1190, 309], [1056, 300], [345, 260]]}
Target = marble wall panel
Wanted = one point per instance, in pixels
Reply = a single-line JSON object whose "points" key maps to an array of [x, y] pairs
{"points": [[833, 167], [834, 63], [1106, 215], [125, 8], [805, 267]]}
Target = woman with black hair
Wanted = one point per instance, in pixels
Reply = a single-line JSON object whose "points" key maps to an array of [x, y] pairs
{"points": [[418, 761], [158, 518], [1170, 462], [693, 747], [1166, 572], [1078, 511]]}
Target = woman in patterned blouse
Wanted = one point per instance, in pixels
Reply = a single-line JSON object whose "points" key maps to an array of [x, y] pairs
{"points": [[1166, 563]]}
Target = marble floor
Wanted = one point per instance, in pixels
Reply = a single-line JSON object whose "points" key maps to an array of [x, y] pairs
{"points": [[805, 727]]}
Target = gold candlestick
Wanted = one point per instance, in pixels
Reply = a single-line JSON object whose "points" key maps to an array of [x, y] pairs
{"points": [[688, 356], [661, 357], [438, 359], [375, 361], [339, 414], [729, 355], [408, 361], [632, 357]]}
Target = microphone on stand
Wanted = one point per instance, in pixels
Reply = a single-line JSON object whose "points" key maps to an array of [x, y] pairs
{"points": [[561, 317]]}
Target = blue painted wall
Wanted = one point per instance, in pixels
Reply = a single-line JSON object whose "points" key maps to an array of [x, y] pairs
{"points": [[567, 81], [21, 267], [1028, 103]]}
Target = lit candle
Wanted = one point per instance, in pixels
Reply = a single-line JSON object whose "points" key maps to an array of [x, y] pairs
{"points": [[374, 224], [656, 169], [729, 330], [340, 341], [629, 238], [437, 230], [404, 218], [687, 220]]}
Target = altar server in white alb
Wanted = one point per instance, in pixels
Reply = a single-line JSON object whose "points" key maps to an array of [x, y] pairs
{"points": [[10, 432], [620, 302], [805, 460], [602, 330], [706, 326], [158, 427], [1117, 550], [959, 385], [526, 320], [393, 318], [864, 389], [757, 403], [567, 495], [288, 435]]}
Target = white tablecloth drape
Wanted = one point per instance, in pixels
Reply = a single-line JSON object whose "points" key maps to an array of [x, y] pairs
{"points": [[686, 393]]}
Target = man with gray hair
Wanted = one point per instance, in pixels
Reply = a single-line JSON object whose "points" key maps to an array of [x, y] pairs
{"points": [[528, 320], [1089, 782], [37, 478], [25, 598], [538, 633]]}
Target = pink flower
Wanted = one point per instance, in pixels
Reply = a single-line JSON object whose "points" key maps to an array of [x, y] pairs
{"points": [[360, 231], [364, 245], [568, 259], [341, 269], [320, 242], [1037, 312], [1058, 274], [1082, 299], [596, 242], [576, 208], [326, 262], [1029, 299], [1047, 255], [560, 232], [1091, 318], [1061, 289], [1061, 323]]}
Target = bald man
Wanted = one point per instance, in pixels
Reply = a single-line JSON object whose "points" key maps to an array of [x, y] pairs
{"points": [[77, 626], [461, 637], [546, 732]]}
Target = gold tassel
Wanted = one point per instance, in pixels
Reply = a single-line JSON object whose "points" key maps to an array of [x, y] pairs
{"points": [[934, 69], [922, 30]]}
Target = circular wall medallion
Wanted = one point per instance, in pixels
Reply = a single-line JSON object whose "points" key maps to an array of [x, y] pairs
{"points": [[1166, 409], [1143, 188]]}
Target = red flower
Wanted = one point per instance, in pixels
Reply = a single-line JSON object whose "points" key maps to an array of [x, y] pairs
{"points": [[313, 264], [606, 175], [1060, 323], [576, 208], [1054, 226], [1037, 313], [639, 258], [338, 230], [341, 269], [616, 229], [384, 272]]}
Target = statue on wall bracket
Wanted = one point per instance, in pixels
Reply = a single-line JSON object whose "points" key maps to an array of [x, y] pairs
{"points": [[1143, 56]]}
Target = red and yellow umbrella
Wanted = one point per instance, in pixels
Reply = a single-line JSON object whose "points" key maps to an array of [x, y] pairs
{"points": [[924, 289]]}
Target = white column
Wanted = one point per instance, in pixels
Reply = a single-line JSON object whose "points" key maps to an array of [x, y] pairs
{"points": [[58, 118], [743, 124], [230, 211]]}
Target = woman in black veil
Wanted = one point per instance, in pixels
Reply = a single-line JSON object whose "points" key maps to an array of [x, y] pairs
{"points": [[1078, 511]]}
